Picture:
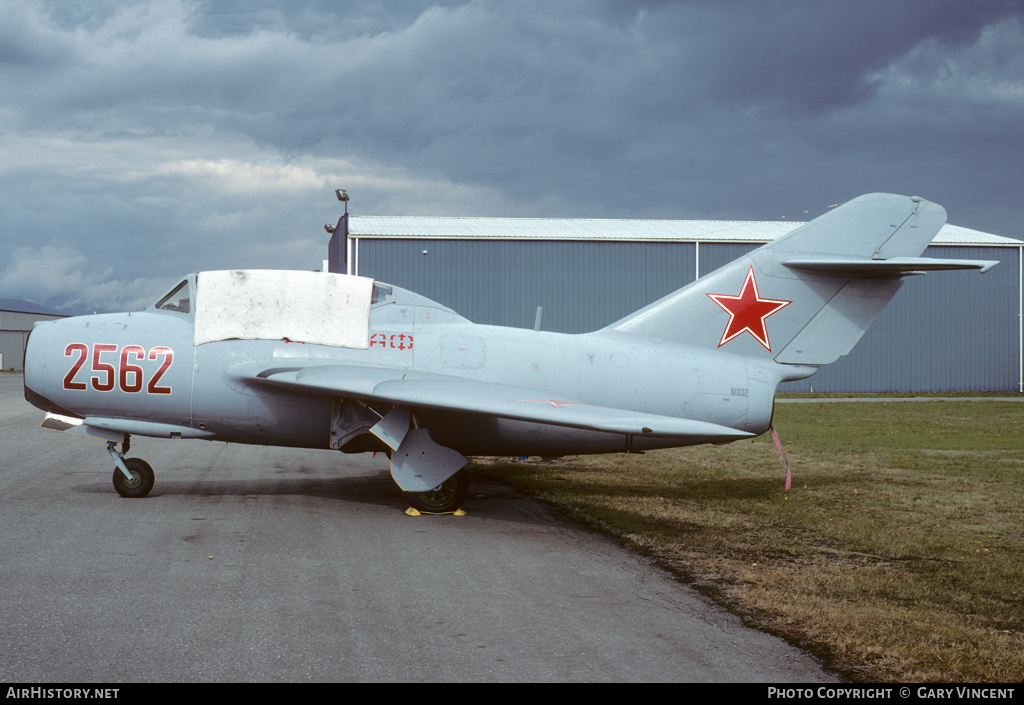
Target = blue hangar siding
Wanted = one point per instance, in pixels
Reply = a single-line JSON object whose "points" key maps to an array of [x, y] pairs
{"points": [[16, 321], [581, 286], [947, 331]]}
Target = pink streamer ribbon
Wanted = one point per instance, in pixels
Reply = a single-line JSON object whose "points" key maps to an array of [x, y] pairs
{"points": [[782, 454]]}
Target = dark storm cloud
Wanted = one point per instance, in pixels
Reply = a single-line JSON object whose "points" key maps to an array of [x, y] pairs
{"points": [[807, 55], [319, 19], [144, 139]]}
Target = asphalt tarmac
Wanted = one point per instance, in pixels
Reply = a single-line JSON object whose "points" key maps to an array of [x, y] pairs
{"points": [[268, 564]]}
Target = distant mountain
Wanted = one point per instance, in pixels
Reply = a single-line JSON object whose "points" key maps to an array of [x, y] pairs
{"points": [[20, 306]]}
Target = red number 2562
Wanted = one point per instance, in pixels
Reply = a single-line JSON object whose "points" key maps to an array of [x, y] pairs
{"points": [[121, 371]]}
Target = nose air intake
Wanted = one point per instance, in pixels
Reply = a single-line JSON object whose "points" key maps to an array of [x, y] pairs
{"points": [[34, 377]]}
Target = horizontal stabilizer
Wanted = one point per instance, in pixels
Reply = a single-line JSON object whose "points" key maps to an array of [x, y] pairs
{"points": [[807, 297], [893, 267], [443, 392]]}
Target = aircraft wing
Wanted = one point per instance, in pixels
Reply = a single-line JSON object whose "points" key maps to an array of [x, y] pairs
{"points": [[447, 393]]}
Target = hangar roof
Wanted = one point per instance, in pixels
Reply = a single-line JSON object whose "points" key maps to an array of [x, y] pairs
{"points": [[18, 306], [374, 226]]}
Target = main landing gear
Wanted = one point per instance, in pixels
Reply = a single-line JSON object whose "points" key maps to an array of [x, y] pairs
{"points": [[133, 478], [443, 499], [430, 476]]}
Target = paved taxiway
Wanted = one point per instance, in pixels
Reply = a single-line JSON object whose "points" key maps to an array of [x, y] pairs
{"points": [[266, 564]]}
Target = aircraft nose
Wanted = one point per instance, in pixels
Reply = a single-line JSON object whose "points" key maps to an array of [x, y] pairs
{"points": [[39, 385]]}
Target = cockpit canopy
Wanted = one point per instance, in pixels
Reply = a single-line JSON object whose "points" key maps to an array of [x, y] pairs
{"points": [[178, 300]]}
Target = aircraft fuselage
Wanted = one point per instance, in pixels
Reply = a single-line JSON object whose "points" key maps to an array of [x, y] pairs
{"points": [[141, 373]]}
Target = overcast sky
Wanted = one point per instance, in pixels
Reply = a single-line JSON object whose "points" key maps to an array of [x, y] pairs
{"points": [[140, 141]]}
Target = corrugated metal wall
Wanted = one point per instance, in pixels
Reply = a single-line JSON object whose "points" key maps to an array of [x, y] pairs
{"points": [[945, 331], [14, 330], [582, 286], [12, 348]]}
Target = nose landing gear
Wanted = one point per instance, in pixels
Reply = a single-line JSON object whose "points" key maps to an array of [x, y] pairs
{"points": [[133, 478]]}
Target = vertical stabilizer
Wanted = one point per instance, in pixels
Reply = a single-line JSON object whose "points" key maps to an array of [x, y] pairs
{"points": [[807, 297]]}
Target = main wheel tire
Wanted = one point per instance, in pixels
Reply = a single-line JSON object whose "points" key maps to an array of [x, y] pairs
{"points": [[141, 482], [443, 499]]}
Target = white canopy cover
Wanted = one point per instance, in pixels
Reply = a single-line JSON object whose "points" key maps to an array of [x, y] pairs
{"points": [[267, 304]]}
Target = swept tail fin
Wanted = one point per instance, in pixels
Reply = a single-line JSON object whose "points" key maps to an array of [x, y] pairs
{"points": [[807, 297]]}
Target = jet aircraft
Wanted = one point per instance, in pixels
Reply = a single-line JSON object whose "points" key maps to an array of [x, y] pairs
{"points": [[340, 362]]}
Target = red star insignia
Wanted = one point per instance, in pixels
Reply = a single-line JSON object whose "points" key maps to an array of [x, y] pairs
{"points": [[747, 312]]}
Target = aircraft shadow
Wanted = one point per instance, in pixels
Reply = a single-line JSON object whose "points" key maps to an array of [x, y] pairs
{"points": [[372, 490]]}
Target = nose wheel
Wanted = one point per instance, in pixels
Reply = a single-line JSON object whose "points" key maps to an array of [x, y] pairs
{"points": [[133, 478], [141, 481]]}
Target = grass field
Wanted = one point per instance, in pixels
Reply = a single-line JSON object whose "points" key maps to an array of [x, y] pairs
{"points": [[897, 555]]}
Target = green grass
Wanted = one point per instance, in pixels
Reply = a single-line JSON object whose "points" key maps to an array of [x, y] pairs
{"points": [[889, 395], [898, 553]]}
